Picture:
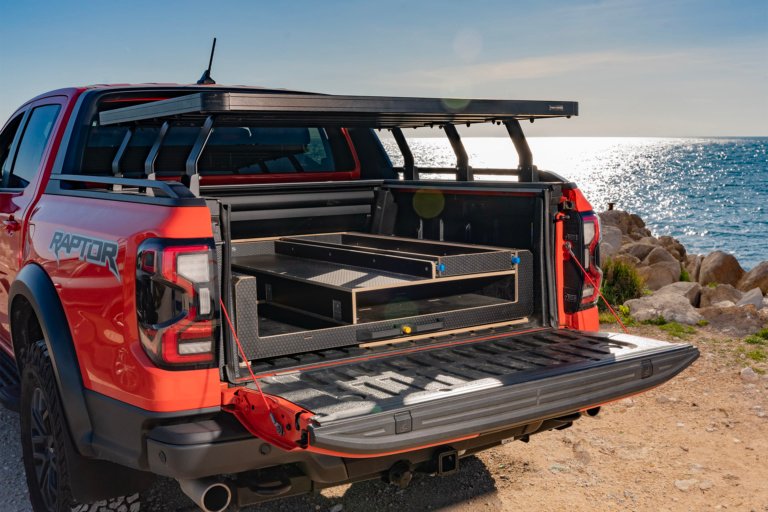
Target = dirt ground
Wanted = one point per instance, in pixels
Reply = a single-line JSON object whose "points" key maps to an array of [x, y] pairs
{"points": [[699, 442]]}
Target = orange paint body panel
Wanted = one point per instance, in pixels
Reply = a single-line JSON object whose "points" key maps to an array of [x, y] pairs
{"points": [[101, 308]]}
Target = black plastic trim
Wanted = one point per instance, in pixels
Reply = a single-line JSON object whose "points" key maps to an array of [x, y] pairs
{"points": [[33, 284], [119, 429]]}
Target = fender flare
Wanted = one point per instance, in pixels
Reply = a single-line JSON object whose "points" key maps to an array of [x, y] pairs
{"points": [[34, 284]]}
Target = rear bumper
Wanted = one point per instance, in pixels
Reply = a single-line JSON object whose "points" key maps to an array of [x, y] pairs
{"points": [[222, 446], [503, 403]]}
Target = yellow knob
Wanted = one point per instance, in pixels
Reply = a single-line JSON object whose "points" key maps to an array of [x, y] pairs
{"points": [[407, 329]]}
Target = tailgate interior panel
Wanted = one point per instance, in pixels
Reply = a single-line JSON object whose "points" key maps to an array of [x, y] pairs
{"points": [[464, 387]]}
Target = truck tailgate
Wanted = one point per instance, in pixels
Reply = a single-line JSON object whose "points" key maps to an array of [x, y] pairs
{"points": [[402, 398]]}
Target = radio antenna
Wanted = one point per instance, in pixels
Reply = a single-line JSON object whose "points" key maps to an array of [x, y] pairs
{"points": [[206, 78]]}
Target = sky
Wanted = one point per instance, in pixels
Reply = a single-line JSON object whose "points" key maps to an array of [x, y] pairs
{"points": [[636, 67]]}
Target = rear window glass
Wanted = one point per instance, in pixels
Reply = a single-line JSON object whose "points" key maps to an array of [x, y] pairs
{"points": [[229, 150]]}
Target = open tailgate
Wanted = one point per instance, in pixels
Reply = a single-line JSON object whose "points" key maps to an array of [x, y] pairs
{"points": [[400, 399]]}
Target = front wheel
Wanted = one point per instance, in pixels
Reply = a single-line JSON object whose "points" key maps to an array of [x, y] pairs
{"points": [[46, 444]]}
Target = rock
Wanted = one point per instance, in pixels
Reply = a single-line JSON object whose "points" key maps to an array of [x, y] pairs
{"points": [[723, 304], [674, 247], [693, 265], [719, 293], [749, 375], [628, 223], [705, 485], [638, 250], [581, 453], [660, 274], [733, 320], [612, 235], [607, 251], [686, 485], [674, 308], [755, 278], [337, 508], [754, 297], [691, 291], [626, 258], [659, 255], [720, 267], [649, 240]]}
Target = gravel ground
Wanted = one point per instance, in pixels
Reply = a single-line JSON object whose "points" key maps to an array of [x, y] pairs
{"points": [[13, 491], [699, 442]]}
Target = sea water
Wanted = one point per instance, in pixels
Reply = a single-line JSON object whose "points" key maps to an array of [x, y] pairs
{"points": [[709, 193]]}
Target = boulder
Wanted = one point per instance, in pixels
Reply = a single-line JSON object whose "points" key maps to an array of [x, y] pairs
{"points": [[693, 265], [607, 251], [736, 321], [723, 304], [627, 258], [720, 267], [691, 291], [612, 235], [649, 240], [755, 278], [660, 274], [629, 223], [674, 247], [673, 307], [617, 218], [754, 297], [719, 293], [659, 254], [638, 250]]}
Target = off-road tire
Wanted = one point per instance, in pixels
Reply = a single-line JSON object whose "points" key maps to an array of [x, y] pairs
{"points": [[46, 443]]}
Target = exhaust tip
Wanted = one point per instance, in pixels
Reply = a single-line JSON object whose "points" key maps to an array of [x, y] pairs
{"points": [[216, 498], [209, 494]]}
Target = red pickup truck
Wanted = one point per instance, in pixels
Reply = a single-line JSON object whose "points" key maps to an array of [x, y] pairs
{"points": [[234, 287]]}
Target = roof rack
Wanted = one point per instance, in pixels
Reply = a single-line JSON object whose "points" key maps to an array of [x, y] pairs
{"points": [[393, 113], [369, 111]]}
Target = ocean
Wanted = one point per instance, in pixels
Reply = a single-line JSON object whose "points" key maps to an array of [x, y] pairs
{"points": [[709, 193]]}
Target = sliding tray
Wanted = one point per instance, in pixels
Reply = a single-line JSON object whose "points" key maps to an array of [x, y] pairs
{"points": [[307, 296], [425, 258]]}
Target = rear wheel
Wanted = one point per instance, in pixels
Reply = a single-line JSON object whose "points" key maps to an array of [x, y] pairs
{"points": [[46, 445]]}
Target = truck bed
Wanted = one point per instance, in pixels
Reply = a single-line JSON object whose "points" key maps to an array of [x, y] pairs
{"points": [[392, 397]]}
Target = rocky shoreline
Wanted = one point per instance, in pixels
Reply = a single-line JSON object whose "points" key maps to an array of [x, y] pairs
{"points": [[692, 289]]}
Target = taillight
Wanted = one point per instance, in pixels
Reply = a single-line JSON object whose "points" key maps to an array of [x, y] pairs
{"points": [[176, 302], [591, 259], [582, 235]]}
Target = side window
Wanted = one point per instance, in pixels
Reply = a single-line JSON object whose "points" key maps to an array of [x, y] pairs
{"points": [[6, 143], [32, 146]]}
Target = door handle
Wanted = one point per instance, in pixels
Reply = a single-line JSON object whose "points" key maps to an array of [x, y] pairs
{"points": [[11, 225]]}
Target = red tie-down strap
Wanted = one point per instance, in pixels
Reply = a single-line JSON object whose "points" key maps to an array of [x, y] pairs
{"points": [[569, 250], [271, 418]]}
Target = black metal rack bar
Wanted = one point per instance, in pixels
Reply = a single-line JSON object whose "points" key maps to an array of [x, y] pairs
{"points": [[463, 170], [370, 111], [119, 156], [149, 163], [525, 157], [409, 164], [192, 178], [171, 189]]}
